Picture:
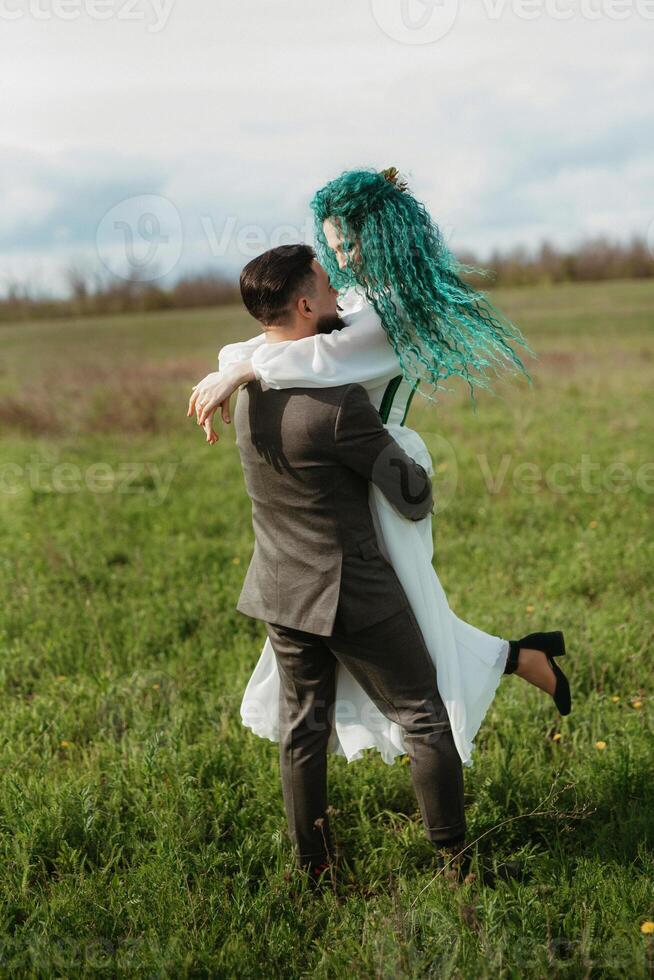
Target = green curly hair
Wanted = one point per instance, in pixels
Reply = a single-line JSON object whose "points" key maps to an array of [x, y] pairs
{"points": [[438, 324]]}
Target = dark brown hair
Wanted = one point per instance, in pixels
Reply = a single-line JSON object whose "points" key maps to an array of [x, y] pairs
{"points": [[274, 280]]}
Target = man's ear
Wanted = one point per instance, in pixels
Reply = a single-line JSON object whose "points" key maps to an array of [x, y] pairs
{"points": [[304, 307]]}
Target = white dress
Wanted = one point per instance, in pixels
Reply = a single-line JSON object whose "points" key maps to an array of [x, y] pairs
{"points": [[469, 663]]}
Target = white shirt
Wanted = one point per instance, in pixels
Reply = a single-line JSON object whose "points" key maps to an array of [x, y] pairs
{"points": [[360, 353]]}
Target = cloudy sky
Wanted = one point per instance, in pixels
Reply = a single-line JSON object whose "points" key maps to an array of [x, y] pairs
{"points": [[194, 133]]}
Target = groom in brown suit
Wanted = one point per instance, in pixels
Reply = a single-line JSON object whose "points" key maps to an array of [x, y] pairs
{"points": [[317, 578]]}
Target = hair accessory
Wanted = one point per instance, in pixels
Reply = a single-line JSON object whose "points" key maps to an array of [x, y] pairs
{"points": [[392, 175]]}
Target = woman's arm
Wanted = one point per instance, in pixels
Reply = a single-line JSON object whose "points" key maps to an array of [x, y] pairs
{"points": [[215, 390], [358, 353], [241, 351]]}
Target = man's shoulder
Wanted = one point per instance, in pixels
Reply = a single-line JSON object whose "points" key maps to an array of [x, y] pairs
{"points": [[329, 396], [337, 394], [324, 412]]}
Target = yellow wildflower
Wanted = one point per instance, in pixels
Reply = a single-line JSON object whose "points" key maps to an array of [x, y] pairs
{"points": [[600, 744]]}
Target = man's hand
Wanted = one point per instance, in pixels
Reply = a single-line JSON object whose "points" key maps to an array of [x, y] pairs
{"points": [[215, 391]]}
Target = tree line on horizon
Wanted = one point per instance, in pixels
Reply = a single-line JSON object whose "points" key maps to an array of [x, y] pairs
{"points": [[595, 260]]}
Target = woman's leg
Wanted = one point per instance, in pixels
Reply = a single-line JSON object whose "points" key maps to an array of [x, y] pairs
{"points": [[533, 667]]}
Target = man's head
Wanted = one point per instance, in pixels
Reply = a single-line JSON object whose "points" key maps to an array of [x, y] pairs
{"points": [[289, 293]]}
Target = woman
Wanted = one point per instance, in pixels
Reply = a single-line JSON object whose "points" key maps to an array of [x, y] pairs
{"points": [[409, 318]]}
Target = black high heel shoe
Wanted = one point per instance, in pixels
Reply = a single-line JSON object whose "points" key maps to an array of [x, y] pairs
{"points": [[552, 645]]}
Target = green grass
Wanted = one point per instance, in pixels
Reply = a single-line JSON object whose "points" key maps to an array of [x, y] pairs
{"points": [[142, 827]]}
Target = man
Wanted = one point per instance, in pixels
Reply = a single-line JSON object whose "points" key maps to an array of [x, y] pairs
{"points": [[317, 578]]}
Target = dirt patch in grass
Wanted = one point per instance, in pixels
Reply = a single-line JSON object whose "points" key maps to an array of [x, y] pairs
{"points": [[128, 397]]}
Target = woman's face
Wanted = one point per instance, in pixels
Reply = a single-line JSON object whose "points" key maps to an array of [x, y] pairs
{"points": [[334, 238]]}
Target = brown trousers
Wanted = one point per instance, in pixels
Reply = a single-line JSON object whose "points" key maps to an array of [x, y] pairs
{"points": [[392, 664]]}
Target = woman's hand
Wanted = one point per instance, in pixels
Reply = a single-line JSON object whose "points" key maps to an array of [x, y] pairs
{"points": [[215, 391]]}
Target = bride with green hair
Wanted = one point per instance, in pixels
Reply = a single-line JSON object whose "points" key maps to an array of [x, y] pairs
{"points": [[411, 321], [374, 235]]}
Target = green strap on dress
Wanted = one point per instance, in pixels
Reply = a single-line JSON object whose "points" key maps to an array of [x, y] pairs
{"points": [[389, 396]]}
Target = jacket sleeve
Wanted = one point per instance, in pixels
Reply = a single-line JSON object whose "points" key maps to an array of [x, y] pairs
{"points": [[359, 353], [363, 444]]}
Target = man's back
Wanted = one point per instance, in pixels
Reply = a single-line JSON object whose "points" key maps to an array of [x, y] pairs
{"points": [[308, 456]]}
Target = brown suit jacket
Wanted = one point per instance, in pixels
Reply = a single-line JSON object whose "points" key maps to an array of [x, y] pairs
{"points": [[308, 455]]}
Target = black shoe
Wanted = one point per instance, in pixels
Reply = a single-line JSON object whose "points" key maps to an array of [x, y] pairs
{"points": [[326, 874], [456, 868], [552, 645], [453, 863], [459, 871]]}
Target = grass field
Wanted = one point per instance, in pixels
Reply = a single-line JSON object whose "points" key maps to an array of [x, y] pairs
{"points": [[142, 826]]}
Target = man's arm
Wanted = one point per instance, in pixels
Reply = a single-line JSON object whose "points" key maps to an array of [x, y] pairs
{"points": [[362, 443]]}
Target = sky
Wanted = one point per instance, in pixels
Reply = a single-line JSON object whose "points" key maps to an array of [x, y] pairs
{"points": [[167, 137]]}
